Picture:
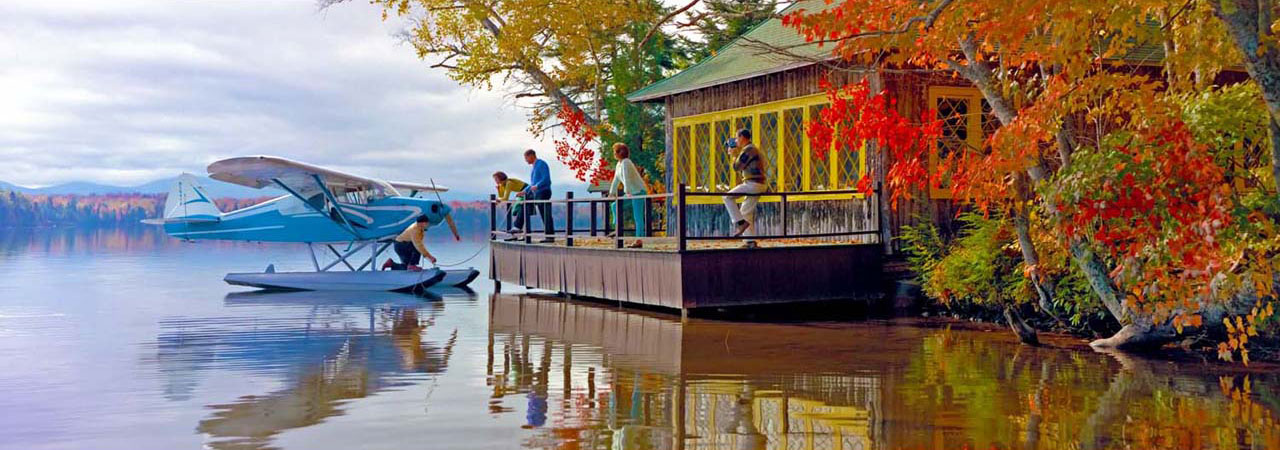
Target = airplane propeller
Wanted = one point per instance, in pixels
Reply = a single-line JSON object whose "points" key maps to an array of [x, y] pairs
{"points": [[448, 218]]}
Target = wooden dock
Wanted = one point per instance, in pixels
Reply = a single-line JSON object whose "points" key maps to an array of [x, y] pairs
{"points": [[685, 271]]}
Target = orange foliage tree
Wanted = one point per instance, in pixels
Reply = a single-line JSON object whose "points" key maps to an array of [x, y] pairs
{"points": [[1093, 158]]}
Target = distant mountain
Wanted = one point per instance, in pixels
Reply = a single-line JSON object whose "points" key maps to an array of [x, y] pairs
{"points": [[215, 188]]}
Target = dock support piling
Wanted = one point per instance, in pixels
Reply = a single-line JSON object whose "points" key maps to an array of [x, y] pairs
{"points": [[568, 223], [617, 220], [681, 229]]}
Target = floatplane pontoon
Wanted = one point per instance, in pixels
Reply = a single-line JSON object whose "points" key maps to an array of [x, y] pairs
{"points": [[323, 208]]}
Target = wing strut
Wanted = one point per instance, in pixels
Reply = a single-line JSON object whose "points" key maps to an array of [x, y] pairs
{"points": [[322, 212], [336, 206]]}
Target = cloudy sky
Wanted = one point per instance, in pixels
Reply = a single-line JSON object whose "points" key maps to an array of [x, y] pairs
{"points": [[128, 91]]}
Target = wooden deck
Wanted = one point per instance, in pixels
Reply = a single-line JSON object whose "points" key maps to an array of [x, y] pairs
{"points": [[702, 278], [811, 246]]}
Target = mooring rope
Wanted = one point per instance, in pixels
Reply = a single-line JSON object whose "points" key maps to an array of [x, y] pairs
{"points": [[459, 263]]}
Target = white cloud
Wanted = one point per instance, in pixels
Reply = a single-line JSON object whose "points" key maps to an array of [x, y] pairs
{"points": [[124, 92]]}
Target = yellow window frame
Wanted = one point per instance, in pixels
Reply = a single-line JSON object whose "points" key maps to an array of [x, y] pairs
{"points": [[973, 126], [754, 112]]}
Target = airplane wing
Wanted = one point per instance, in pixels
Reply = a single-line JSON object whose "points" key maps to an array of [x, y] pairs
{"points": [[409, 188], [262, 171]]}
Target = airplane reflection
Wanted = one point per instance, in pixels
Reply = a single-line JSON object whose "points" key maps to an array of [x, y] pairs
{"points": [[325, 347]]}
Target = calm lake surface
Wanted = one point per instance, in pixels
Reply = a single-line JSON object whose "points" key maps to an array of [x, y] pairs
{"points": [[131, 340]]}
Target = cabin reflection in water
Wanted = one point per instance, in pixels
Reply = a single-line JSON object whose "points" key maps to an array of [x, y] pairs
{"points": [[629, 379]]}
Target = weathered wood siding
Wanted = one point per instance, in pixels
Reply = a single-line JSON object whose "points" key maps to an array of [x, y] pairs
{"points": [[816, 216], [696, 279], [766, 88]]}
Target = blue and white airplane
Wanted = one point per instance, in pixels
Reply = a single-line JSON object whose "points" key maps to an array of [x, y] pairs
{"points": [[323, 206]]}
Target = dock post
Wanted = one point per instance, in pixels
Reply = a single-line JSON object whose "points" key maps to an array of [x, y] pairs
{"points": [[493, 215], [648, 218], [592, 204], [568, 222], [617, 221], [681, 228], [784, 213], [528, 223]]}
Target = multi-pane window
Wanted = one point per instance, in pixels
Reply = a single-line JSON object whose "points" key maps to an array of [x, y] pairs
{"points": [[701, 151], [723, 177], [768, 140], [850, 165], [683, 169], [966, 121], [792, 172], [819, 161], [778, 130]]}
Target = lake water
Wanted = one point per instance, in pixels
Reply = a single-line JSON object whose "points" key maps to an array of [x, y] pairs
{"points": [[131, 340]]}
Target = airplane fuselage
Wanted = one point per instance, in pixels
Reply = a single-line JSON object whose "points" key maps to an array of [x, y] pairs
{"points": [[289, 219]]}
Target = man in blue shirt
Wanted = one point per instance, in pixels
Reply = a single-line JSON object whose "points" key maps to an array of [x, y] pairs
{"points": [[540, 189]]}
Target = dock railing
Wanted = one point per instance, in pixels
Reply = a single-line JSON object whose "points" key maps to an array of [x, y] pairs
{"points": [[680, 206]]}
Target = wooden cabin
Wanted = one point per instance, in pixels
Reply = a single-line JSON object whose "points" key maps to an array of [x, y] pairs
{"points": [[826, 240], [750, 84]]}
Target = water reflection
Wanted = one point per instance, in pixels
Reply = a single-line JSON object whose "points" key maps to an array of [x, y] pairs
{"points": [[325, 349], [588, 376]]}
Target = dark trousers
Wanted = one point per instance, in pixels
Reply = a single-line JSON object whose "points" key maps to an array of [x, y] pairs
{"points": [[544, 210], [516, 211], [408, 255]]}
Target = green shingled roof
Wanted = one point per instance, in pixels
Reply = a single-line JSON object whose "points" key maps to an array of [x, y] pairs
{"points": [[742, 58]]}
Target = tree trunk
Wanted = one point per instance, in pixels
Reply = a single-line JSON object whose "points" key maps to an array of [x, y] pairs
{"points": [[1248, 23], [1026, 334], [549, 85]]}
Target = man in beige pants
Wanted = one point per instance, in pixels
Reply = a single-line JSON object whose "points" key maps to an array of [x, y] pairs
{"points": [[751, 169]]}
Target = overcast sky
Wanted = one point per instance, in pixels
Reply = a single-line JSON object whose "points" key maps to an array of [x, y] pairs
{"points": [[128, 91]]}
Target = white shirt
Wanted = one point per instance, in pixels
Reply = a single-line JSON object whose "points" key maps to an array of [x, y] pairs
{"points": [[627, 174]]}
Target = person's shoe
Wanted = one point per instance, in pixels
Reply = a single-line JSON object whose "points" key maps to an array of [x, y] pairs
{"points": [[547, 241], [636, 244], [513, 238], [741, 227], [750, 244], [388, 265]]}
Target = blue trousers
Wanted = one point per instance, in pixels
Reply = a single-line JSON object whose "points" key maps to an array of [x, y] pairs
{"points": [[637, 213]]}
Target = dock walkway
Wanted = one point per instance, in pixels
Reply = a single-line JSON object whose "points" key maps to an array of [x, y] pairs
{"points": [[825, 246]]}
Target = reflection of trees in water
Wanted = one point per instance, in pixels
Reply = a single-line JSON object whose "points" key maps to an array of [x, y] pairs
{"points": [[329, 357], [635, 380], [990, 393]]}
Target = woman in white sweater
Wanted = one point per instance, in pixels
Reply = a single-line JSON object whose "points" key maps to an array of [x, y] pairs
{"points": [[626, 175]]}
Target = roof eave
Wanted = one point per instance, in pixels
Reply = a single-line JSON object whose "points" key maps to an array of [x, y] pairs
{"points": [[656, 96]]}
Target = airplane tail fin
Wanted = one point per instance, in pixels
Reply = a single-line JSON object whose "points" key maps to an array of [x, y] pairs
{"points": [[188, 203]]}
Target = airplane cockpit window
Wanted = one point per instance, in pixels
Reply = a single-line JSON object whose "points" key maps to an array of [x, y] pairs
{"points": [[365, 194]]}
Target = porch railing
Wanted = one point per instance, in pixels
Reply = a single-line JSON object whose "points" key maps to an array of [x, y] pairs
{"points": [[679, 207]]}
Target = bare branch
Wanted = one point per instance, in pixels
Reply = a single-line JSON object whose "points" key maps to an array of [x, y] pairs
{"points": [[664, 20]]}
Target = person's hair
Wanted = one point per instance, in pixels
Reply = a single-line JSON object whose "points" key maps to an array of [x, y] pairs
{"points": [[423, 219], [744, 133], [621, 150], [500, 175], [530, 152]]}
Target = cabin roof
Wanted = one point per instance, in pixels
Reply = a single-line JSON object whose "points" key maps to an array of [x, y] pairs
{"points": [[739, 59], [744, 58]]}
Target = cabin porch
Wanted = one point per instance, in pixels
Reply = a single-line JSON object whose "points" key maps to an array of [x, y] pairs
{"points": [[808, 246]]}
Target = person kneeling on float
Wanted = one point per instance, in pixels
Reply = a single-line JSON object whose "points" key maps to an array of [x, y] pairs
{"points": [[409, 247]]}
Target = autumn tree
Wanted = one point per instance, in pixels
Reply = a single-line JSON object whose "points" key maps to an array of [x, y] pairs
{"points": [[1051, 71]]}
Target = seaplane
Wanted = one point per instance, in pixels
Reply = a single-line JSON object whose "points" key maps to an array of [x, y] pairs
{"points": [[326, 208]]}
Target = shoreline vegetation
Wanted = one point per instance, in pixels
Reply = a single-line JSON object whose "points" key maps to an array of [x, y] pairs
{"points": [[44, 211]]}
